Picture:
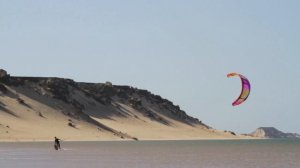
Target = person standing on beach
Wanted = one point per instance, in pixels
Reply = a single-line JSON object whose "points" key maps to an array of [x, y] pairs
{"points": [[56, 143]]}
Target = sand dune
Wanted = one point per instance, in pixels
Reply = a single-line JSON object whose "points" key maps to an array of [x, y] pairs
{"points": [[36, 109]]}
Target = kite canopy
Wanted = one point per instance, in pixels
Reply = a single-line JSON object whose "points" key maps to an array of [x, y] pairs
{"points": [[245, 89]]}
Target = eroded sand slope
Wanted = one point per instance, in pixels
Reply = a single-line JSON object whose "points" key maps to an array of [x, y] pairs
{"points": [[41, 108]]}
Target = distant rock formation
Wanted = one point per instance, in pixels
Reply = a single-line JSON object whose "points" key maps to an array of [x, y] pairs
{"points": [[271, 132]]}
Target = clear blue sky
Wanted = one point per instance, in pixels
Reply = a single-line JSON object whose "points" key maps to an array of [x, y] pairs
{"points": [[181, 50]]}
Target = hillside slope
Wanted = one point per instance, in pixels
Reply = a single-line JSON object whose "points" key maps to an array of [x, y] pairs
{"points": [[35, 108]]}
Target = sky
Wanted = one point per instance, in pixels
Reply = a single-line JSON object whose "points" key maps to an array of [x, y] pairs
{"points": [[181, 50]]}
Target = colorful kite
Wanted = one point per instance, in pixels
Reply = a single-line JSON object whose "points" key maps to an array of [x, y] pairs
{"points": [[245, 89]]}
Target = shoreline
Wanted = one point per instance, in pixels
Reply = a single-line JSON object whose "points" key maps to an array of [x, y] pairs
{"points": [[145, 140]]}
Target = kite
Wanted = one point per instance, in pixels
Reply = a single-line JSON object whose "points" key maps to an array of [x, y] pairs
{"points": [[245, 89]]}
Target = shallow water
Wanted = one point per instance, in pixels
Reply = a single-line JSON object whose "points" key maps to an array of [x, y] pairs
{"points": [[154, 154]]}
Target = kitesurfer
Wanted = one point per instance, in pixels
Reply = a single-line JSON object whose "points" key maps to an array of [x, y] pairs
{"points": [[56, 143]]}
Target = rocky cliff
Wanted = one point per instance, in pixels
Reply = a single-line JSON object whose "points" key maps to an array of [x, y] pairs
{"points": [[271, 132]]}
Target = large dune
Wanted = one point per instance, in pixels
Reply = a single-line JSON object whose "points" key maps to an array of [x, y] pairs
{"points": [[34, 108]]}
